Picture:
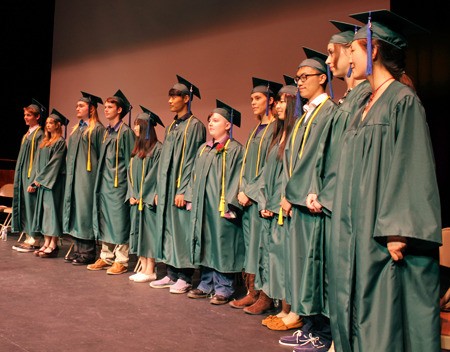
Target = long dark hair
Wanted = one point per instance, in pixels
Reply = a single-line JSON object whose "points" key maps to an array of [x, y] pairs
{"points": [[393, 58], [144, 147], [285, 125]]}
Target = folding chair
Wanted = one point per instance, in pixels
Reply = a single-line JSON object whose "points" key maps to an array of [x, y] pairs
{"points": [[6, 191]]}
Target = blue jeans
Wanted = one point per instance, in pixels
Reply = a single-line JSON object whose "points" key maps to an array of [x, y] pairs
{"points": [[213, 281]]}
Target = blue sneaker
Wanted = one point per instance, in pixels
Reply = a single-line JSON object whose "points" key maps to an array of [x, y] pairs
{"points": [[312, 343], [293, 340]]}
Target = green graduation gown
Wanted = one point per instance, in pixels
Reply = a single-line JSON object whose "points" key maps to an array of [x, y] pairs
{"points": [[23, 203], [255, 156], [142, 176], [216, 241], [182, 140], [386, 186], [270, 276], [80, 182], [111, 212], [50, 174], [305, 267]]}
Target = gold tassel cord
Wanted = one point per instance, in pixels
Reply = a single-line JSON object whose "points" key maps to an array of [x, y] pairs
{"points": [[89, 166], [222, 196], [180, 172], [116, 177], [141, 202], [30, 167]]}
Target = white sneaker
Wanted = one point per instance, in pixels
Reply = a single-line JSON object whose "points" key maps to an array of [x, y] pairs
{"points": [[180, 286], [132, 277], [162, 283], [145, 278]]}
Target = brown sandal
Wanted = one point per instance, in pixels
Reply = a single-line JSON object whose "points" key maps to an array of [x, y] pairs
{"points": [[40, 250]]}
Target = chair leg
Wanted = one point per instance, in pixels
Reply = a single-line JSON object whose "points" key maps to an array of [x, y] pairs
{"points": [[20, 237], [70, 250], [138, 265]]}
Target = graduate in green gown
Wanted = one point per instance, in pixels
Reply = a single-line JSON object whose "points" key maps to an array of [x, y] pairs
{"points": [[270, 277], [216, 236], [23, 203], [305, 284], [111, 211], [182, 139], [142, 176], [386, 226], [255, 156], [48, 183], [83, 151]]}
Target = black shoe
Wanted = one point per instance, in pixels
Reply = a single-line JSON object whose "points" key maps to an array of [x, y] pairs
{"points": [[83, 261]]}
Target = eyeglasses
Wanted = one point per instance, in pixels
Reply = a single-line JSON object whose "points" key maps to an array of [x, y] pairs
{"points": [[304, 77]]}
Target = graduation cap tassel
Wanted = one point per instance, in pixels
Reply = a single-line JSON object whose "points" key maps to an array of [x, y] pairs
{"points": [[298, 104], [280, 217], [369, 46], [349, 72], [329, 82], [147, 133], [267, 102], [190, 99], [231, 121], [129, 117]]}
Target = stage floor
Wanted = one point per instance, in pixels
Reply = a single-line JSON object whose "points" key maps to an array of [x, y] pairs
{"points": [[49, 305]]}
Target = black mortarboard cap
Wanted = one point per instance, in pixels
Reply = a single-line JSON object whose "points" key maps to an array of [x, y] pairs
{"points": [[388, 27], [346, 32], [316, 59], [290, 86], [229, 113], [264, 86], [186, 87], [150, 115], [56, 115], [91, 99], [38, 106], [267, 87], [126, 105]]}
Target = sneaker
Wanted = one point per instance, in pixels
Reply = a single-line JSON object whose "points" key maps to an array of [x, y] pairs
{"points": [[312, 343], [27, 248], [165, 282], [141, 277], [98, 265], [294, 339], [132, 277], [180, 286], [117, 269], [197, 293]]}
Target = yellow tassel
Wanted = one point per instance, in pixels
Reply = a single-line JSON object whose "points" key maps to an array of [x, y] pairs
{"points": [[89, 166], [30, 167], [222, 206], [222, 195], [280, 217], [141, 203]]}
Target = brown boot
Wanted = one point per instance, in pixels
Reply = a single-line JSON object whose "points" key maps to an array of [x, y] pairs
{"points": [[252, 294], [262, 305]]}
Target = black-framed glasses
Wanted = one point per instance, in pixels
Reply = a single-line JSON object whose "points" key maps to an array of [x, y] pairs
{"points": [[304, 77]]}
